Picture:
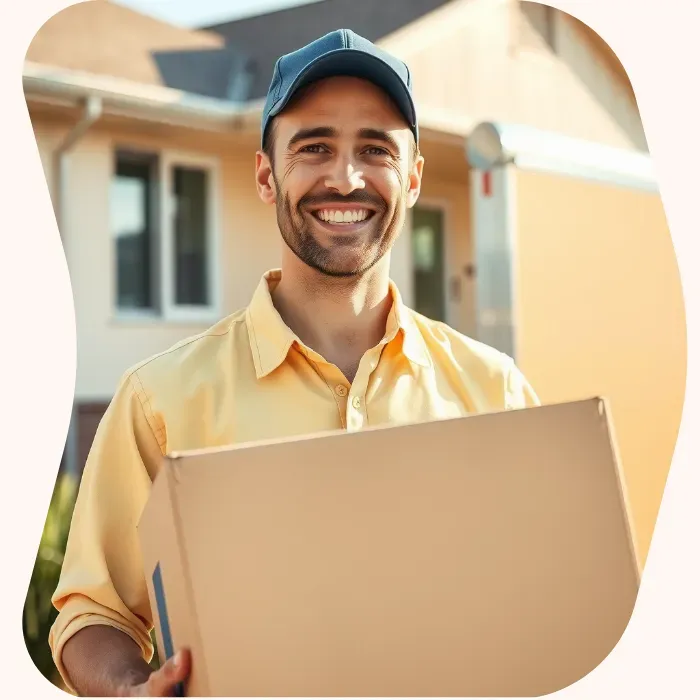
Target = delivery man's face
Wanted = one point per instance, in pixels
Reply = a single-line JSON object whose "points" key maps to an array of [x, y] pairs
{"points": [[342, 173]]}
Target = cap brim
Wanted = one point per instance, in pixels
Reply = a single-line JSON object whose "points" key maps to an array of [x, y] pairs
{"points": [[357, 64]]}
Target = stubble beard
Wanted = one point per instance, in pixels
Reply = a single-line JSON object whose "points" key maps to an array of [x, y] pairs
{"points": [[333, 261]]}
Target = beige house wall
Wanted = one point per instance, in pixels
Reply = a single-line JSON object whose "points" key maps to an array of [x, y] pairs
{"points": [[504, 70], [600, 312]]}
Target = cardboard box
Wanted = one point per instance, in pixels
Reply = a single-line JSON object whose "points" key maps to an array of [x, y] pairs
{"points": [[484, 556]]}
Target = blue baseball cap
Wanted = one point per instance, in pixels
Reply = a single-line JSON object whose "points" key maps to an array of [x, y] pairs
{"points": [[340, 53]]}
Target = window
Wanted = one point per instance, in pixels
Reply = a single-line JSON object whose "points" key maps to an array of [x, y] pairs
{"points": [[190, 225], [163, 225], [134, 227]]}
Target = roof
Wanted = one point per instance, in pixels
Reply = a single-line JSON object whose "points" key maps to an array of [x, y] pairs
{"points": [[264, 38], [103, 38]]}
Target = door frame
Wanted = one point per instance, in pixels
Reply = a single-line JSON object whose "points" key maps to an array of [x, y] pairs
{"points": [[445, 207]]}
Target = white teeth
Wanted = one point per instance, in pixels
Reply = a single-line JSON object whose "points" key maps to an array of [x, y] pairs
{"points": [[346, 217]]}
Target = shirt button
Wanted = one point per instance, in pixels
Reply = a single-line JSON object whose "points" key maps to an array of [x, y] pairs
{"points": [[341, 390], [356, 402]]}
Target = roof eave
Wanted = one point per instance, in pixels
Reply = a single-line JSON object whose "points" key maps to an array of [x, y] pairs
{"points": [[155, 103], [137, 100]]}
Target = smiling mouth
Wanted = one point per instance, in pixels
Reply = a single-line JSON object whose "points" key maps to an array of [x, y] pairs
{"points": [[343, 217]]}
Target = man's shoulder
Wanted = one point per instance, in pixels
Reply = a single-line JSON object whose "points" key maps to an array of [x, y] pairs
{"points": [[191, 354], [490, 372], [467, 351]]}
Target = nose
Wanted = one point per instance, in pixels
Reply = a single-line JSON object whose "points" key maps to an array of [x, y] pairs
{"points": [[344, 176]]}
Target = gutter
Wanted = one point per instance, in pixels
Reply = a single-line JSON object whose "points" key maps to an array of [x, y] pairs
{"points": [[127, 98], [492, 145]]}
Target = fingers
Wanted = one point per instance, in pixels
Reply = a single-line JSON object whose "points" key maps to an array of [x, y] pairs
{"points": [[163, 682]]}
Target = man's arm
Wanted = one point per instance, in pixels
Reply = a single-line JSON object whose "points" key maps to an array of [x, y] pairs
{"points": [[101, 661], [101, 638], [518, 390]]}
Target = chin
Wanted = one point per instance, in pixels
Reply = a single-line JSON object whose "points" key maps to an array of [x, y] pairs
{"points": [[344, 269]]}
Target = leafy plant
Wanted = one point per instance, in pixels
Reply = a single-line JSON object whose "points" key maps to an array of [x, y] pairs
{"points": [[155, 661], [39, 613]]}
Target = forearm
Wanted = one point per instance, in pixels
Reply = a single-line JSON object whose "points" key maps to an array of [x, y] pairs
{"points": [[102, 661]]}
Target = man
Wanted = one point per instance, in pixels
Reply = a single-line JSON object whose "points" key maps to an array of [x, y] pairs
{"points": [[326, 343]]}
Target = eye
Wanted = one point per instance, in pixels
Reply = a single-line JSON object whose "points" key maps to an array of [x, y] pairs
{"points": [[312, 148], [377, 151]]}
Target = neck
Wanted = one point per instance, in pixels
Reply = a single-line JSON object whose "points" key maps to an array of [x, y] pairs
{"points": [[338, 317]]}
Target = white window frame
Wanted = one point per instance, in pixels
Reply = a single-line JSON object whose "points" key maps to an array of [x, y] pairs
{"points": [[167, 310]]}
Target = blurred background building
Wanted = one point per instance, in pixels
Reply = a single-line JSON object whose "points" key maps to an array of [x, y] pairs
{"points": [[540, 228]]}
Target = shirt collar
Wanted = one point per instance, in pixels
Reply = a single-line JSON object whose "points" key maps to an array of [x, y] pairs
{"points": [[271, 339]]}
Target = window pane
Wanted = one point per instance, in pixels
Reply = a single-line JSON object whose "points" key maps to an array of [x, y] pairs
{"points": [[191, 240], [131, 219]]}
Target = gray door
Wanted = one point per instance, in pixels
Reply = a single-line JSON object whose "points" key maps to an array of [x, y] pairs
{"points": [[428, 244]]}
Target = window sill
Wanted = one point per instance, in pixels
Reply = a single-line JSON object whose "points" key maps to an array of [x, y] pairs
{"points": [[200, 319]]}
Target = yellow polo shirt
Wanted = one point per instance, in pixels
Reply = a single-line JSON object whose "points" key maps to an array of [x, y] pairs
{"points": [[249, 378]]}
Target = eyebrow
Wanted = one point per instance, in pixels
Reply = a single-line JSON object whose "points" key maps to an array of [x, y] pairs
{"points": [[329, 132], [317, 132], [380, 135]]}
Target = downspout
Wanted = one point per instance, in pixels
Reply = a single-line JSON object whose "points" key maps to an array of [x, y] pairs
{"points": [[493, 236], [91, 113]]}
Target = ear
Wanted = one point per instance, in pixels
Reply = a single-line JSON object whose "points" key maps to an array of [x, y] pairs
{"points": [[264, 181], [415, 178]]}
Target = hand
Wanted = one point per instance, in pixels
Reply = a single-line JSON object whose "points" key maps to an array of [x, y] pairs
{"points": [[162, 683]]}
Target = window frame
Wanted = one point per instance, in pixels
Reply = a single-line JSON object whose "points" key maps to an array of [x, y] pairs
{"points": [[163, 269]]}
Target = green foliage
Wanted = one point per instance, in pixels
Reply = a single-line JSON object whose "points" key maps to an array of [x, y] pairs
{"points": [[155, 661], [39, 613]]}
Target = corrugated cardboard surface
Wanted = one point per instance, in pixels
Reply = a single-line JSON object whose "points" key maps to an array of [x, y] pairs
{"points": [[482, 556]]}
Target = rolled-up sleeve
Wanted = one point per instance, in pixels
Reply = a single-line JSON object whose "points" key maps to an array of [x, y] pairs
{"points": [[102, 580]]}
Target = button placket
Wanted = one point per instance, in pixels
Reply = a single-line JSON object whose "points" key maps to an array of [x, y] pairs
{"points": [[356, 415], [354, 420]]}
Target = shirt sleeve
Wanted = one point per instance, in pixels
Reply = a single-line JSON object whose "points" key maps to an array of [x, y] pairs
{"points": [[102, 580], [519, 392]]}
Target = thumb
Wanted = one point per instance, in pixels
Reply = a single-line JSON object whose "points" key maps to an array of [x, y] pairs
{"points": [[175, 670]]}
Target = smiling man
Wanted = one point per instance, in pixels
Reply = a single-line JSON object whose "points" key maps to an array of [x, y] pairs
{"points": [[326, 343]]}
